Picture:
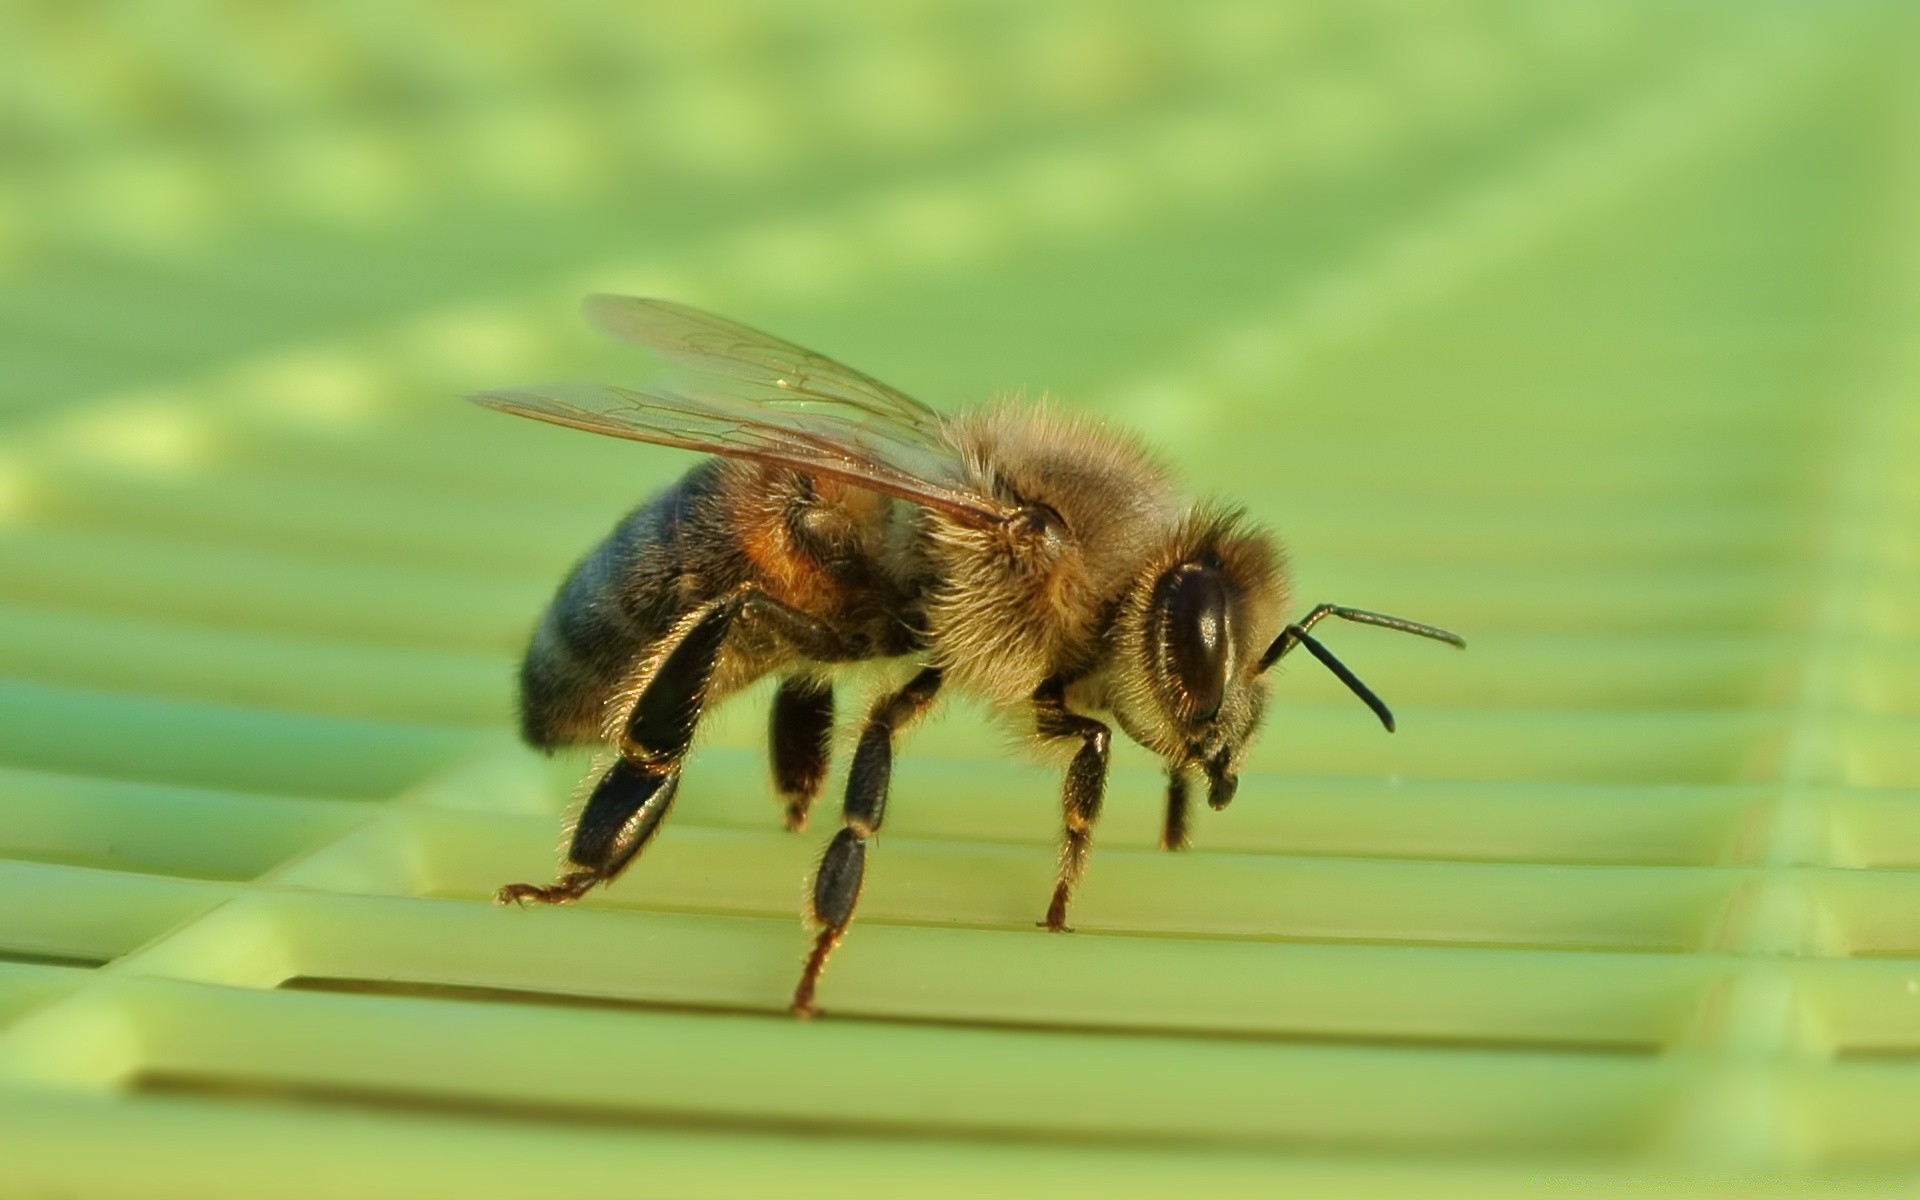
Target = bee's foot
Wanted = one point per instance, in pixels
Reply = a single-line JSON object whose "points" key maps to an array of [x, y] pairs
{"points": [[565, 890], [795, 817], [1056, 921]]}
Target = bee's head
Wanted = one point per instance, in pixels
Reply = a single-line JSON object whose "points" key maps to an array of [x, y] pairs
{"points": [[1186, 676]]}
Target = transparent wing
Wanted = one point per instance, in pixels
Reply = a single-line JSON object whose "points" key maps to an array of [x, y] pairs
{"points": [[746, 364], [746, 395]]}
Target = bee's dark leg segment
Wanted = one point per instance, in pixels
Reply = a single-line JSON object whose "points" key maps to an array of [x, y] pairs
{"points": [[632, 798], [836, 888], [621, 817], [812, 637], [661, 725], [1085, 789], [800, 737], [1173, 835]]}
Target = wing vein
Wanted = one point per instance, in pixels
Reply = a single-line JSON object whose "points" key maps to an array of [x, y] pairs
{"points": [[734, 391]]}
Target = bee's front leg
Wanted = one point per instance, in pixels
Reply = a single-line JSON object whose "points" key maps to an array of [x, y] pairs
{"points": [[631, 800], [1173, 834], [836, 888], [1085, 789]]}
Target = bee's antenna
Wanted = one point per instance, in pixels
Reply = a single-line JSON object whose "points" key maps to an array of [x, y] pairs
{"points": [[1296, 635], [1347, 677]]}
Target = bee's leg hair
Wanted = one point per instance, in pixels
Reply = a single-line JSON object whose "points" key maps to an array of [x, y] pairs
{"points": [[632, 798], [800, 737], [836, 888], [1173, 835], [1086, 787]]}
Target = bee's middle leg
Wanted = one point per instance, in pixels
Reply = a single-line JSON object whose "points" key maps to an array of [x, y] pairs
{"points": [[800, 728], [631, 800], [837, 886], [1082, 795], [800, 738]]}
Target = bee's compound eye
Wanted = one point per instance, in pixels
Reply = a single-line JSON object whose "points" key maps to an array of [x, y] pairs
{"points": [[1196, 639]]}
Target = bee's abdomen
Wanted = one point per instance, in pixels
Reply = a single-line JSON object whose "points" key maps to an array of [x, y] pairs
{"points": [[620, 599]]}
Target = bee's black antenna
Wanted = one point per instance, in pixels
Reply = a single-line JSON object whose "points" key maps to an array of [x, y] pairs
{"points": [[1296, 635], [1347, 677]]}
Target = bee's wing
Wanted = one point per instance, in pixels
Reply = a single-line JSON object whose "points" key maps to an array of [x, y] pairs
{"points": [[747, 395], [750, 365]]}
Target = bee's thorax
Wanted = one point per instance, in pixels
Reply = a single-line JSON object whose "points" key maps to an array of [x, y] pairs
{"points": [[1029, 599]]}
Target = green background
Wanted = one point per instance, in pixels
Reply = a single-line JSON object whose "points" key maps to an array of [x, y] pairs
{"points": [[1588, 330]]}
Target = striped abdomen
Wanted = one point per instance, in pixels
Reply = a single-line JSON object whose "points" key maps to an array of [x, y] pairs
{"points": [[620, 599]]}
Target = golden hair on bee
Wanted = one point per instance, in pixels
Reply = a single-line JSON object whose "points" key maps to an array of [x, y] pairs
{"points": [[1013, 603], [1034, 558]]}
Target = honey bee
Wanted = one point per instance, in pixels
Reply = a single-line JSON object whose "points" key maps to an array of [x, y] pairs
{"points": [[1037, 560]]}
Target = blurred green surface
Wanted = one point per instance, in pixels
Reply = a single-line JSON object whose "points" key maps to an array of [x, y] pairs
{"points": [[1587, 329]]}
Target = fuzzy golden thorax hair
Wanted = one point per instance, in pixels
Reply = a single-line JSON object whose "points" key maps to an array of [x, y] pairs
{"points": [[1021, 602]]}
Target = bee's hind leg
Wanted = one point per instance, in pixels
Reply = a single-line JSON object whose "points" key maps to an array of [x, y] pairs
{"points": [[800, 738], [836, 888], [631, 800], [624, 812]]}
